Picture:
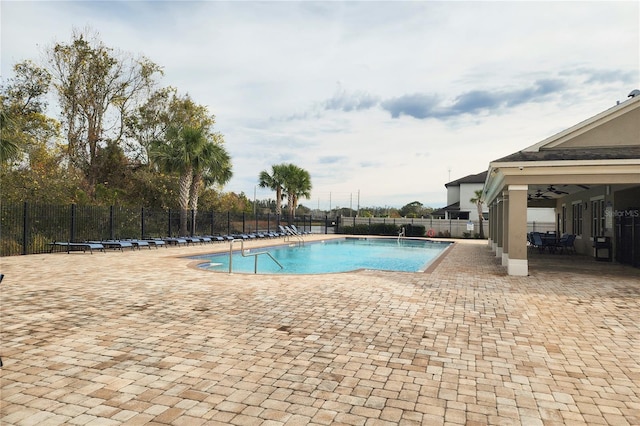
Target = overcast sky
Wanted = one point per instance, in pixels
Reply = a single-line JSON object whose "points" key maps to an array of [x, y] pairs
{"points": [[385, 100]]}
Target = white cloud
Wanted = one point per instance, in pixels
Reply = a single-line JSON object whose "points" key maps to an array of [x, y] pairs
{"points": [[375, 98]]}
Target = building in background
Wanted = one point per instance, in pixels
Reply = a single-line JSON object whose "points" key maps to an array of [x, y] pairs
{"points": [[459, 195]]}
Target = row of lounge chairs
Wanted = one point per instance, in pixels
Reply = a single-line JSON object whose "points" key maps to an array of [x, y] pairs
{"points": [[549, 242], [102, 245]]}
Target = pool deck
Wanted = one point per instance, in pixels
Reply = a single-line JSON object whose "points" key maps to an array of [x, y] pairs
{"points": [[138, 337]]}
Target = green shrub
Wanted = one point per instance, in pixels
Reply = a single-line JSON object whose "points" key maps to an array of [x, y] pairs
{"points": [[384, 229], [10, 247], [374, 229], [360, 229], [411, 230], [39, 243]]}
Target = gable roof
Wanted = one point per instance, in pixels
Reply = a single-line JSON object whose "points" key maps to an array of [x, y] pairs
{"points": [[605, 149], [615, 128], [477, 178], [599, 153]]}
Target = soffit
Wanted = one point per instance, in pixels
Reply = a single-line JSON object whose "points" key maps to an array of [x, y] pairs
{"points": [[550, 181]]}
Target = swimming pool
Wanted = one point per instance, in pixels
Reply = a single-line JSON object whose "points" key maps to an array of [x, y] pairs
{"points": [[332, 256]]}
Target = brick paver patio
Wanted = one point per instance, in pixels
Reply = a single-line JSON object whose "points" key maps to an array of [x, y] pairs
{"points": [[139, 337]]}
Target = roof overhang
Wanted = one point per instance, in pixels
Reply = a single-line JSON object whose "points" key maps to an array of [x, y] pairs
{"points": [[579, 172]]}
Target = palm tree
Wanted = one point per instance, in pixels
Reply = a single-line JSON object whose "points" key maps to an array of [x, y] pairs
{"points": [[478, 200], [274, 181], [297, 184], [180, 154], [9, 147], [211, 166]]}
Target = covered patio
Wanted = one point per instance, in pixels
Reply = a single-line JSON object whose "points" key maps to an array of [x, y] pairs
{"points": [[590, 175]]}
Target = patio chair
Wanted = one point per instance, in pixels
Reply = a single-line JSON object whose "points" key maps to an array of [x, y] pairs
{"points": [[139, 244], [290, 231], [115, 244], [192, 240], [175, 241], [156, 242], [284, 231], [567, 242], [295, 229], [537, 242], [69, 247]]}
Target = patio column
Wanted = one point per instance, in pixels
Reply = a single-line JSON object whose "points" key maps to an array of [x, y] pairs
{"points": [[505, 227], [499, 229], [494, 226], [490, 226], [517, 263]]}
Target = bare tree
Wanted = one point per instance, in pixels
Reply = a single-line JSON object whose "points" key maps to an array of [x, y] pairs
{"points": [[96, 87]]}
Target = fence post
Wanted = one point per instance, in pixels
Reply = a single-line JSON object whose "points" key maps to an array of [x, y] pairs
{"points": [[72, 230], [213, 214], [169, 227], [111, 227], [243, 222], [228, 222], [193, 221], [142, 230], [25, 225]]}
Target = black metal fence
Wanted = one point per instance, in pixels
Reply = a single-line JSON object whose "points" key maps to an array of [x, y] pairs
{"points": [[29, 228]]}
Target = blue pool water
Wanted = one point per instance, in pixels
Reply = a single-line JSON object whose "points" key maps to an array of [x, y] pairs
{"points": [[341, 255]]}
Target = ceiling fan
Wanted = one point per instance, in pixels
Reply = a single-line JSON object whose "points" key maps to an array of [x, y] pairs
{"points": [[551, 188], [539, 195]]}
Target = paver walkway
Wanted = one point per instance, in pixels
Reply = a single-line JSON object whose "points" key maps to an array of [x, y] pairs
{"points": [[138, 337]]}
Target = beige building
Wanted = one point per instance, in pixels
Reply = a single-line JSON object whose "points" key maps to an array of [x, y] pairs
{"points": [[590, 175]]}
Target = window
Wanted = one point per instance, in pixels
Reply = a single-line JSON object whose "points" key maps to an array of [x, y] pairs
{"points": [[564, 219], [597, 217], [576, 220]]}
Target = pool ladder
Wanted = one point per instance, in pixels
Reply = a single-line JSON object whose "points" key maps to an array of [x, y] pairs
{"points": [[401, 235], [248, 254], [296, 236]]}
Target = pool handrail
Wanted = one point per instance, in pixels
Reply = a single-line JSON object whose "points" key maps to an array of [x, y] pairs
{"points": [[254, 254]]}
